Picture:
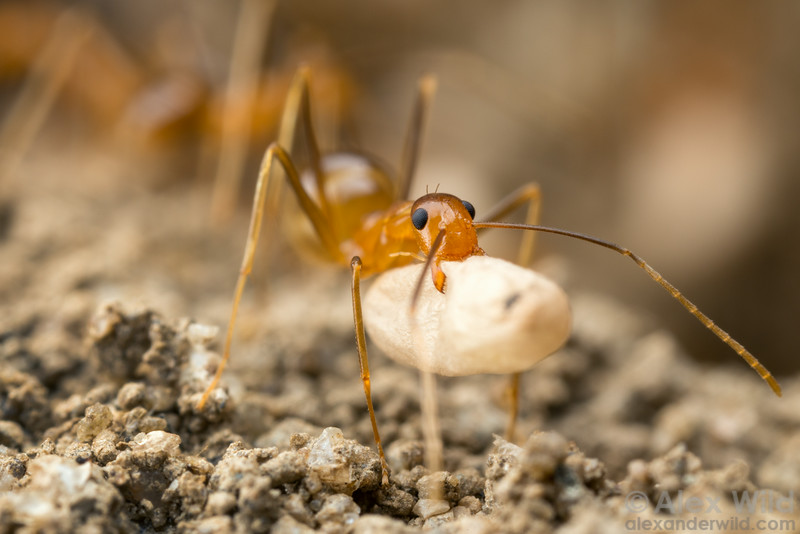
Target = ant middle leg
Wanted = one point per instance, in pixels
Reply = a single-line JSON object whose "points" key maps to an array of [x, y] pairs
{"points": [[426, 90]]}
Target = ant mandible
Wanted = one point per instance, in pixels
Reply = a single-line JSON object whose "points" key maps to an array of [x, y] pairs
{"points": [[359, 215]]}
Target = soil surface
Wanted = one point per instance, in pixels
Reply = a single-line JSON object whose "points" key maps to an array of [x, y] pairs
{"points": [[670, 124], [113, 299]]}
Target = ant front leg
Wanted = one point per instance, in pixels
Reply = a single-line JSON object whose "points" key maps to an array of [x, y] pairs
{"points": [[361, 343], [273, 153], [531, 195]]}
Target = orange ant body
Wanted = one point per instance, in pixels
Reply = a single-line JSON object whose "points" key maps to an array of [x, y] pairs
{"points": [[360, 218]]}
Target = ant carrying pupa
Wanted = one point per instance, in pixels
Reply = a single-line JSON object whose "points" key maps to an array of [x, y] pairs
{"points": [[362, 220]]}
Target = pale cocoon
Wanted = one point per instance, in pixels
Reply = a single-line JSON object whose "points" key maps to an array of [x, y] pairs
{"points": [[494, 317]]}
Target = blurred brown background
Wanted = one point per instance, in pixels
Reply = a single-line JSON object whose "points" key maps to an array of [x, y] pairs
{"points": [[667, 127]]}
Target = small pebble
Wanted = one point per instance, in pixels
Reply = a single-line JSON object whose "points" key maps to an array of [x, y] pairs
{"points": [[11, 434], [343, 465], [396, 501], [339, 509], [98, 417], [220, 503], [426, 508], [438, 520]]}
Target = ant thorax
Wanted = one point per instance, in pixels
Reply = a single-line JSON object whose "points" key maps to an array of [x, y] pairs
{"points": [[360, 210]]}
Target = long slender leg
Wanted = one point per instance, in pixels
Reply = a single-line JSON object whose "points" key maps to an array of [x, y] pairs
{"points": [[297, 112], [431, 428], [50, 70], [361, 342], [426, 90], [529, 194], [251, 33], [292, 112], [295, 109], [513, 409], [273, 152]]}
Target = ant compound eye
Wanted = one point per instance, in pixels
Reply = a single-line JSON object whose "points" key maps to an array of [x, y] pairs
{"points": [[419, 218], [470, 208]]}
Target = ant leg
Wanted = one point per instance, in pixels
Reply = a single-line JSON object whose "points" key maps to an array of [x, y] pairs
{"points": [[431, 429], [426, 90], [527, 194], [513, 409], [273, 152], [251, 33], [361, 342], [531, 195], [297, 110], [51, 67]]}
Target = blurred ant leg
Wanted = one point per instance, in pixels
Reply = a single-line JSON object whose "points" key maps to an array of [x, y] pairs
{"points": [[513, 408], [431, 428], [296, 100], [361, 342], [297, 111], [251, 33], [291, 109], [273, 152], [531, 195], [426, 90], [50, 70]]}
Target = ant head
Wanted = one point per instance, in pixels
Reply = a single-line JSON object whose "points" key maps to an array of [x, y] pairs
{"points": [[440, 212]]}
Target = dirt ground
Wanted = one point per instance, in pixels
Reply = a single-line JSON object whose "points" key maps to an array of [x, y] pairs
{"points": [[101, 372], [662, 124]]}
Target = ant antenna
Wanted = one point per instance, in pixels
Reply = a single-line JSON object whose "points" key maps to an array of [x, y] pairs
{"points": [[656, 276]]}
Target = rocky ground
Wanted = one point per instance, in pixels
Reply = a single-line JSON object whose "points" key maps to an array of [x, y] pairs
{"points": [[100, 375]]}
